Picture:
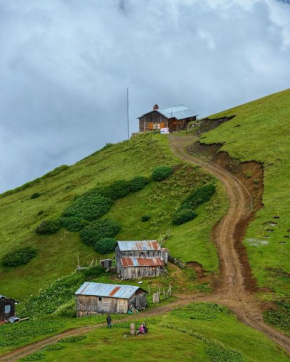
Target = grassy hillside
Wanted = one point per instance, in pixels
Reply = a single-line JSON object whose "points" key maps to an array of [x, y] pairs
{"points": [[260, 131], [57, 254], [199, 332]]}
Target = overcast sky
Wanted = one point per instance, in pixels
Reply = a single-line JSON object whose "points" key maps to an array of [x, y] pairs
{"points": [[65, 66]]}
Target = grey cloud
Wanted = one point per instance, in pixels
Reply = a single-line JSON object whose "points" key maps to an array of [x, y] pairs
{"points": [[65, 67]]}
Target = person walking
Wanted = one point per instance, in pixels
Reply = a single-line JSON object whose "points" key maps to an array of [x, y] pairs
{"points": [[109, 321]]}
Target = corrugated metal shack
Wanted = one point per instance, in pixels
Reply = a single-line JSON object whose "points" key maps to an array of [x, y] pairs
{"points": [[174, 118], [95, 298], [139, 259], [7, 308]]}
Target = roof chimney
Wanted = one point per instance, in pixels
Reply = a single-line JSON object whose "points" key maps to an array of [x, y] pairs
{"points": [[155, 107]]}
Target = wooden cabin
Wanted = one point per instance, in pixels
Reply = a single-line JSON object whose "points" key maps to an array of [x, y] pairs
{"points": [[139, 259], [7, 308], [166, 120], [96, 298]]}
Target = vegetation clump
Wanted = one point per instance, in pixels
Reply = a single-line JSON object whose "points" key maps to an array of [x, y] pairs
{"points": [[183, 215], [35, 195], [99, 229], [138, 183], [105, 245], [89, 207], [198, 197], [48, 227], [19, 256], [161, 173], [145, 218], [73, 224]]}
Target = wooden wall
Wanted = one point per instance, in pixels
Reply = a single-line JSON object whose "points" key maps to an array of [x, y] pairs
{"points": [[7, 308], [139, 272], [92, 305], [152, 121]]}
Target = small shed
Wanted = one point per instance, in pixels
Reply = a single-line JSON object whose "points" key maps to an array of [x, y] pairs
{"points": [[171, 119], [138, 259], [95, 298], [7, 308]]}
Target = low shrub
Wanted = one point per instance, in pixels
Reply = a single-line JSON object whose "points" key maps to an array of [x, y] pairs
{"points": [[105, 245], [89, 207], [162, 172], [35, 195], [138, 183], [145, 218], [48, 227], [72, 339], [198, 197], [182, 216], [99, 229], [73, 223], [116, 190], [19, 256], [40, 212]]}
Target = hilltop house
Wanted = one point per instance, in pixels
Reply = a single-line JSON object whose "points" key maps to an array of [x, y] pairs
{"points": [[138, 259], [7, 308], [166, 120], [95, 298]]}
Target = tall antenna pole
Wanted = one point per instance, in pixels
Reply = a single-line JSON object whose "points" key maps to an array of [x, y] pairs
{"points": [[128, 118]]}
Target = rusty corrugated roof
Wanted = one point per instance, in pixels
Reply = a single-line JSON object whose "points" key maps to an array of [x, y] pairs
{"points": [[139, 245], [139, 262], [107, 290]]}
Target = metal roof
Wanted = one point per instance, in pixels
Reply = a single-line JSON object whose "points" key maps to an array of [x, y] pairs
{"points": [[107, 290], [139, 262], [139, 245], [178, 112]]}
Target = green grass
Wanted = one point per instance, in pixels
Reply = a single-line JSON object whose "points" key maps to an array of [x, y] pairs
{"points": [[263, 136], [57, 254], [199, 332]]}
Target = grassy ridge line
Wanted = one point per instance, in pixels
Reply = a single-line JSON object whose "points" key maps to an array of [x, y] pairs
{"points": [[57, 254], [260, 132]]}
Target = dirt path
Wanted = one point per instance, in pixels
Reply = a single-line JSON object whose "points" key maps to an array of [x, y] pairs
{"points": [[230, 290]]}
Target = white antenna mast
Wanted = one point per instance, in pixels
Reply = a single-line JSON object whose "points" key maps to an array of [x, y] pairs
{"points": [[128, 118]]}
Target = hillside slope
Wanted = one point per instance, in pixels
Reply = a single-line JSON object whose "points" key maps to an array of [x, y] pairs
{"points": [[260, 132], [57, 253]]}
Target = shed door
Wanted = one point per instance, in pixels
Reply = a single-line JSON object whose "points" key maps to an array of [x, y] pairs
{"points": [[106, 303], [7, 309], [122, 306]]}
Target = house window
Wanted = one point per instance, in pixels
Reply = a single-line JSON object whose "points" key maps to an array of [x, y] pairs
{"points": [[100, 299], [7, 309]]}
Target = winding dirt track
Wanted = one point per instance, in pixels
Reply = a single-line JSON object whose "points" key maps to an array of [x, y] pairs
{"points": [[230, 291]]}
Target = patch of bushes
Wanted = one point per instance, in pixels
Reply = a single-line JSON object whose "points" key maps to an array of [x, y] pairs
{"points": [[97, 230], [73, 223], [19, 256], [48, 227], [182, 216], [105, 245], [72, 339], [89, 207], [116, 190], [145, 218], [162, 172], [35, 195], [40, 212], [138, 183], [198, 197], [280, 317]]}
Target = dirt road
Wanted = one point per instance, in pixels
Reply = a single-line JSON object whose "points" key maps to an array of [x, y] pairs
{"points": [[230, 290]]}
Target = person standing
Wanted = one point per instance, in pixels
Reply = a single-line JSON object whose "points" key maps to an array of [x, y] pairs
{"points": [[109, 321], [132, 329]]}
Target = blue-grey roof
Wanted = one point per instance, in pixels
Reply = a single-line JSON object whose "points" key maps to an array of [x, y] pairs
{"points": [[178, 112], [107, 290], [139, 245]]}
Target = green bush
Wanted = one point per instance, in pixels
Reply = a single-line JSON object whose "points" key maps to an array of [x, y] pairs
{"points": [[35, 195], [145, 218], [116, 190], [19, 256], [138, 183], [73, 223], [89, 207], [182, 216], [99, 229], [198, 197], [48, 227], [105, 245], [162, 172]]}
